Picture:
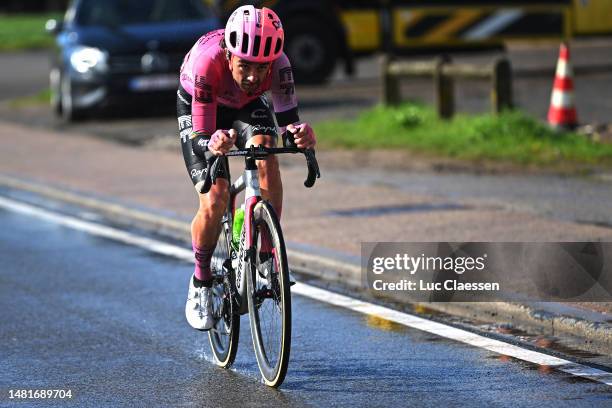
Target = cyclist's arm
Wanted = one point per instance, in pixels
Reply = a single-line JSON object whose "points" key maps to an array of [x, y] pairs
{"points": [[204, 105], [204, 98], [286, 106], [284, 98]]}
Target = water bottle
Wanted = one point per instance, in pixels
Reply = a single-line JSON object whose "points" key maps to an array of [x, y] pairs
{"points": [[237, 227]]}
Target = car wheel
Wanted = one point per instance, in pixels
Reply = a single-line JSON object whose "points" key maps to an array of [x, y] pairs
{"points": [[312, 52], [68, 112]]}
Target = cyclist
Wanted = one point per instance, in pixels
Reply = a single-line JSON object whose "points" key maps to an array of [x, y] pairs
{"points": [[221, 102]]}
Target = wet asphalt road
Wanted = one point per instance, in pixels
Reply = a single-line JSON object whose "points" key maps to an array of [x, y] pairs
{"points": [[106, 321]]}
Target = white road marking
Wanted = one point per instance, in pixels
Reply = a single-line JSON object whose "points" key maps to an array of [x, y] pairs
{"points": [[326, 296], [98, 230], [453, 333]]}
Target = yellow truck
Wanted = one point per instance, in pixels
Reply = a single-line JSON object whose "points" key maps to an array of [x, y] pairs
{"points": [[320, 33]]}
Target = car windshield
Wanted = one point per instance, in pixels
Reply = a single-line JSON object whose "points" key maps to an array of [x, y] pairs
{"points": [[124, 12]]}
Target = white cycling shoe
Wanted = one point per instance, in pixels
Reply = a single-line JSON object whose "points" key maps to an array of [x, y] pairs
{"points": [[198, 309]]}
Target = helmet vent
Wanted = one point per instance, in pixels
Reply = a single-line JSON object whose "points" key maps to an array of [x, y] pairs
{"points": [[245, 43], [256, 44], [279, 45], [232, 39], [267, 47]]}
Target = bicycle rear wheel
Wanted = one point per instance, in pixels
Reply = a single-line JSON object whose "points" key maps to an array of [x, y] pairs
{"points": [[225, 332], [269, 296]]}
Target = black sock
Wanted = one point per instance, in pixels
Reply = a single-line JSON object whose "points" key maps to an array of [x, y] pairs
{"points": [[202, 283]]}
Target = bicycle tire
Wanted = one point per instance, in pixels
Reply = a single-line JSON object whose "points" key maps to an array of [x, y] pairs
{"points": [[272, 350], [224, 334]]}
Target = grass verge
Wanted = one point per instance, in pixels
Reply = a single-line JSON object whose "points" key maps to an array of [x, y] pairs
{"points": [[511, 137], [41, 98], [25, 31]]}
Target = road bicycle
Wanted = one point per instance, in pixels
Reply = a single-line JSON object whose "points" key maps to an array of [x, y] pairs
{"points": [[254, 277]]}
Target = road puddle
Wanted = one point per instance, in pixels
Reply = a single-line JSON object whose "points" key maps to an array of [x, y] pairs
{"points": [[383, 324], [544, 342], [543, 369]]}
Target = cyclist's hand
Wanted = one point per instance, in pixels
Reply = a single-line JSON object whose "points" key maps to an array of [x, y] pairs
{"points": [[222, 141], [303, 135]]}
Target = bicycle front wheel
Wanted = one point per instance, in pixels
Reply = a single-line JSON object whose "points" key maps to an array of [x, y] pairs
{"points": [[269, 296], [224, 334]]}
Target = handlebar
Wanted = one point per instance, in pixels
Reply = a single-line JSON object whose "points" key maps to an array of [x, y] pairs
{"points": [[261, 153]]}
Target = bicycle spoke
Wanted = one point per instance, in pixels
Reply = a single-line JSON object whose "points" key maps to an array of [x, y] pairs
{"points": [[267, 299]]}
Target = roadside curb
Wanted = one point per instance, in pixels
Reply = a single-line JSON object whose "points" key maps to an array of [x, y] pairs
{"points": [[593, 335]]}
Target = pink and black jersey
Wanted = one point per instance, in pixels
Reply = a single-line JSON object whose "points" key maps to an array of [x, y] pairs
{"points": [[205, 75]]}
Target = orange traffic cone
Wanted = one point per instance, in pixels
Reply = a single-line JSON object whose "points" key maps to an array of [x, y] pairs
{"points": [[562, 112]]}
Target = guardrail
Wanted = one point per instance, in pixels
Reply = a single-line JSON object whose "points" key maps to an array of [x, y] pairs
{"points": [[444, 73]]}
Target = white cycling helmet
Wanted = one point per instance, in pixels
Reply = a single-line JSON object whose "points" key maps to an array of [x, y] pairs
{"points": [[254, 34]]}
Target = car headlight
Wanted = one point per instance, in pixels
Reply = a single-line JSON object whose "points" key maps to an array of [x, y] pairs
{"points": [[85, 59]]}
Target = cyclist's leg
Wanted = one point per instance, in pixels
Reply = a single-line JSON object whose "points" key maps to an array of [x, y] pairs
{"points": [[205, 226], [256, 125]]}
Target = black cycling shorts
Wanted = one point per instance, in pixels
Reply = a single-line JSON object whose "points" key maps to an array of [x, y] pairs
{"points": [[256, 118]]}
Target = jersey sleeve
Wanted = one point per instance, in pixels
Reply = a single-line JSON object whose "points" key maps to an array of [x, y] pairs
{"points": [[204, 99], [283, 92]]}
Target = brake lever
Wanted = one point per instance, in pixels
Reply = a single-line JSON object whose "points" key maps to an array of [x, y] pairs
{"points": [[288, 139], [313, 168], [207, 179], [214, 169]]}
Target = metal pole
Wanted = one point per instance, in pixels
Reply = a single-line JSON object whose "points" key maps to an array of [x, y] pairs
{"points": [[501, 92], [391, 91], [443, 89]]}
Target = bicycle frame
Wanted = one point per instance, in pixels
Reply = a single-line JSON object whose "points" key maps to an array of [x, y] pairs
{"points": [[248, 182]]}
